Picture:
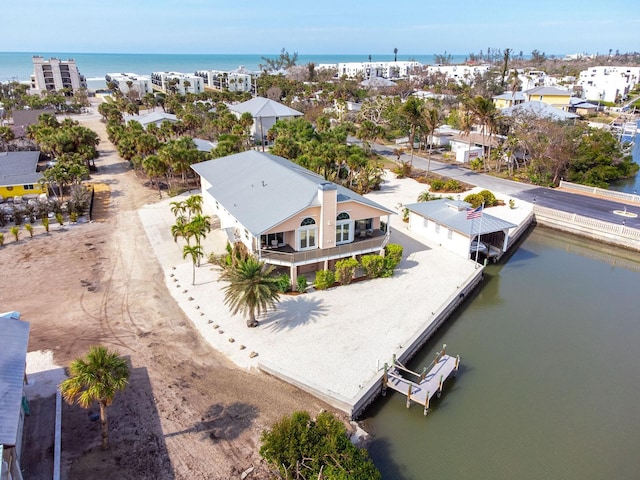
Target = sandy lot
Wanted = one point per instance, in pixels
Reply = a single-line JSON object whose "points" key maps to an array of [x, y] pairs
{"points": [[188, 412]]}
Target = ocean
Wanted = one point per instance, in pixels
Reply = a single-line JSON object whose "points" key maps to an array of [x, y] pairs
{"points": [[94, 66]]}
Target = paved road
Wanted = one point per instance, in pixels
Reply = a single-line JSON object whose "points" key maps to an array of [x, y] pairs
{"points": [[597, 208]]}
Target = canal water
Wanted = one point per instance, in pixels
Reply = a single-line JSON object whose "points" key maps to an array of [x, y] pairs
{"points": [[549, 384]]}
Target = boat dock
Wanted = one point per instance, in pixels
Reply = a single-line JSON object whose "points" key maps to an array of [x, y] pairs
{"points": [[427, 384]]}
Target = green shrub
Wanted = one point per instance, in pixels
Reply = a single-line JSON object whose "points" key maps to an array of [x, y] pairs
{"points": [[325, 279], [403, 170], [300, 447], [73, 216], [1, 239], [373, 265], [60, 219], [452, 185], [45, 223], [346, 269], [489, 198], [301, 283], [284, 283], [476, 164], [393, 252], [437, 184], [29, 228], [475, 199], [15, 231]]}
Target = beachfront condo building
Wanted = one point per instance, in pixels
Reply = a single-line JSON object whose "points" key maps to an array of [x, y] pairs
{"points": [[130, 82], [176, 82], [56, 75]]}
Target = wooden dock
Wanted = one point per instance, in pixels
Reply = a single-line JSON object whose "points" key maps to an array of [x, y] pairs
{"points": [[427, 384]]}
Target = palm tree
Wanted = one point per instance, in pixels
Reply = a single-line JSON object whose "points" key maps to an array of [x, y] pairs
{"points": [[251, 290], [198, 227], [431, 122], [181, 229], [411, 110], [96, 378], [193, 205], [395, 54], [195, 252], [486, 113]]}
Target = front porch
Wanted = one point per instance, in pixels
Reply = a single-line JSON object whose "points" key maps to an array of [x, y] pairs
{"points": [[286, 256]]}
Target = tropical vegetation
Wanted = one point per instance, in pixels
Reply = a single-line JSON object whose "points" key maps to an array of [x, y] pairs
{"points": [[298, 447], [96, 378]]}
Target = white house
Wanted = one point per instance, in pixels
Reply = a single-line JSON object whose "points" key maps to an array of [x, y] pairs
{"points": [[445, 222], [608, 83], [154, 117], [13, 355], [265, 113]]}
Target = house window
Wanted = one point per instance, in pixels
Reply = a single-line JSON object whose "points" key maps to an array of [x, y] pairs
{"points": [[437, 228], [425, 222], [307, 234], [450, 234], [271, 240], [343, 228], [28, 187]]}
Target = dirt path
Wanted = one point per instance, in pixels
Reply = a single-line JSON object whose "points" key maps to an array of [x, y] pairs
{"points": [[188, 412]]}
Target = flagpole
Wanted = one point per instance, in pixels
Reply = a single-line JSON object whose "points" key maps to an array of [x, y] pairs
{"points": [[480, 234]]}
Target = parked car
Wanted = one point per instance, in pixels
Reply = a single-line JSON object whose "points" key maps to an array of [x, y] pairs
{"points": [[479, 247]]}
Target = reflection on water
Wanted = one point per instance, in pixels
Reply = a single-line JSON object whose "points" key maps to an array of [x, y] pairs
{"points": [[548, 385]]}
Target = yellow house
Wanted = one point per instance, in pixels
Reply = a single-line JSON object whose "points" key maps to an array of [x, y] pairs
{"points": [[18, 175], [553, 96]]}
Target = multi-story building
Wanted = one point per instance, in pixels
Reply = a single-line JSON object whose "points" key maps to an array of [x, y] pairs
{"points": [[458, 73], [608, 83], [377, 69], [239, 80], [56, 75], [131, 82], [177, 82]]}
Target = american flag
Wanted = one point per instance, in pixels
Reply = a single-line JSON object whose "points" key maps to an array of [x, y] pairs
{"points": [[474, 213]]}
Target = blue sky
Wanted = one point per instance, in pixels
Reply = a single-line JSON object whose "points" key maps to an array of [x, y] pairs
{"points": [[326, 26]]}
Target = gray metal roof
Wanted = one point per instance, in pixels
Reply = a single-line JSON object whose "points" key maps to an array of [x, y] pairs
{"points": [[452, 214], [538, 109], [544, 90], [262, 190], [264, 107], [13, 354], [153, 117], [204, 145], [19, 168], [516, 96]]}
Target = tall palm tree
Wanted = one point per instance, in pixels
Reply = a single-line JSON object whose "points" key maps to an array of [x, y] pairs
{"points": [[195, 252], [198, 227], [251, 290], [431, 122], [96, 378], [193, 205], [486, 113], [411, 110]]}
